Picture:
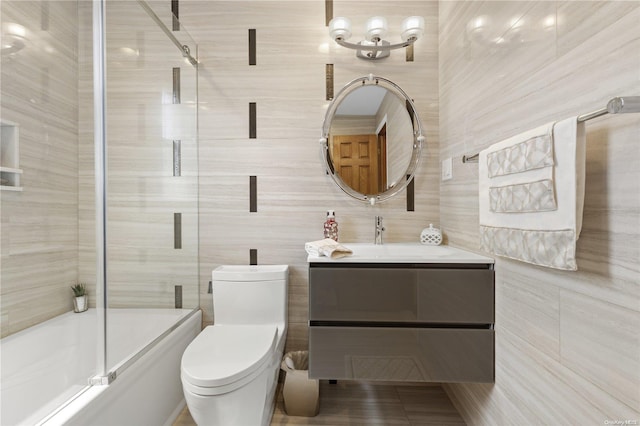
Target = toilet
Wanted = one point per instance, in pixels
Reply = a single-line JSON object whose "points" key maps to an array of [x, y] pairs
{"points": [[230, 370]]}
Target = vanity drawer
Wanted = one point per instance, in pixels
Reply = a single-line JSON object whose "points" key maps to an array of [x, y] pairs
{"points": [[401, 354], [421, 295]]}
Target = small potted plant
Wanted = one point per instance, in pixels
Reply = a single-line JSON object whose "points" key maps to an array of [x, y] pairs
{"points": [[80, 301]]}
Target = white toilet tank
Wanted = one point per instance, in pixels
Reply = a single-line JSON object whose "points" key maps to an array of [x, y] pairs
{"points": [[250, 294]]}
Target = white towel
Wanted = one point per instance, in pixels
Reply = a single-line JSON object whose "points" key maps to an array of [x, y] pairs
{"points": [[531, 195], [327, 247]]}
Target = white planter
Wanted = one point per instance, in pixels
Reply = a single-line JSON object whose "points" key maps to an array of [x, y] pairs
{"points": [[80, 303]]}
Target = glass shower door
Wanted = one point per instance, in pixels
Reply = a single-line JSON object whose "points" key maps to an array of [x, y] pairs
{"points": [[151, 177]]}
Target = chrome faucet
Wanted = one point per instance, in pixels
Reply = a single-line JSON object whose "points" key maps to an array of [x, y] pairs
{"points": [[379, 229]]}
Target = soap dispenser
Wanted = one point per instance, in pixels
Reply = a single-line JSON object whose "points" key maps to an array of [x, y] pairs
{"points": [[331, 226]]}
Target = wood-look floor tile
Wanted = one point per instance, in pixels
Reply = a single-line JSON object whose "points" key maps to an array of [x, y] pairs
{"points": [[352, 392], [428, 405], [184, 419], [350, 403]]}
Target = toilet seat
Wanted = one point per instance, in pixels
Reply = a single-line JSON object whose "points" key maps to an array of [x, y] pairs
{"points": [[224, 357]]}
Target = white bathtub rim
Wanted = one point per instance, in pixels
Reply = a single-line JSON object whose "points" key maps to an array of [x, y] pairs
{"points": [[126, 363], [80, 400], [83, 398]]}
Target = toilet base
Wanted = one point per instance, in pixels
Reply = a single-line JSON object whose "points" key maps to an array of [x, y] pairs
{"points": [[250, 405]]}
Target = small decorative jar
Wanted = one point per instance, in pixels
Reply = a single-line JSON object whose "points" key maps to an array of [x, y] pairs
{"points": [[431, 236]]}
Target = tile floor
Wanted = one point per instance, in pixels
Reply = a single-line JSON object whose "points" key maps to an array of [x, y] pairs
{"points": [[352, 403]]}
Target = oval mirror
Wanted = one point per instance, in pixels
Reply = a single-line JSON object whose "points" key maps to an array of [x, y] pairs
{"points": [[371, 139]]}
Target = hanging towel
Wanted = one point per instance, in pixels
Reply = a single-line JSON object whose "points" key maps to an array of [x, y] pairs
{"points": [[531, 195]]}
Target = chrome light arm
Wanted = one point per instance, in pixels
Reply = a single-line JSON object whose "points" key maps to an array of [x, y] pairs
{"points": [[384, 46]]}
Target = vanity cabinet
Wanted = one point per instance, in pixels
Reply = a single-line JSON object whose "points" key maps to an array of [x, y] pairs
{"points": [[425, 322]]}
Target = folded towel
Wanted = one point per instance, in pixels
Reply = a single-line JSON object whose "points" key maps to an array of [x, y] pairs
{"points": [[327, 247], [531, 195]]}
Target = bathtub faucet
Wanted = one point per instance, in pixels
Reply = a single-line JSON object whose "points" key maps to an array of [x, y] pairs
{"points": [[379, 230]]}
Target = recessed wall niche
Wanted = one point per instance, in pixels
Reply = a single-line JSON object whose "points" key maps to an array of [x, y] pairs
{"points": [[10, 171]]}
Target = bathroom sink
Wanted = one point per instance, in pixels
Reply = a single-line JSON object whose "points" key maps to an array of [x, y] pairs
{"points": [[404, 253], [400, 251]]}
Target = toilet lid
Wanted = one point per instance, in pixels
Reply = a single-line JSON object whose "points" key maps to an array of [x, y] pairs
{"points": [[223, 354]]}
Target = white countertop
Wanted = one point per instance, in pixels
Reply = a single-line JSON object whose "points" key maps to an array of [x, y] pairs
{"points": [[403, 253]]}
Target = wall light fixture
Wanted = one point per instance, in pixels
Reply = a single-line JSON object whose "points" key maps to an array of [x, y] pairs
{"points": [[373, 46]]}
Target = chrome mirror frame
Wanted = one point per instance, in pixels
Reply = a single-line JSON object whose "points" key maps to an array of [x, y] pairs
{"points": [[418, 138]]}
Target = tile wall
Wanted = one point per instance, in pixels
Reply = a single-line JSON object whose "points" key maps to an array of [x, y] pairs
{"points": [[39, 238], [48, 231], [287, 85], [567, 343]]}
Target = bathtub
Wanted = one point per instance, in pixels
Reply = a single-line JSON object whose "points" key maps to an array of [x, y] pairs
{"points": [[45, 369]]}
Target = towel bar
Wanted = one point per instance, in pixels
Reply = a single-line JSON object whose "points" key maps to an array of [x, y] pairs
{"points": [[470, 158], [621, 105]]}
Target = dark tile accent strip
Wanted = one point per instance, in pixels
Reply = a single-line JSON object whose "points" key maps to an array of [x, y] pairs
{"points": [[177, 230], [176, 143], [411, 207], [253, 131], [410, 185], [175, 9], [412, 114], [177, 296], [328, 11], [329, 81], [253, 194], [177, 158], [252, 46], [330, 162], [253, 256], [176, 85], [409, 50]]}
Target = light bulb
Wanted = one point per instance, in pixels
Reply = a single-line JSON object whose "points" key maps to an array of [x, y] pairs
{"points": [[376, 28], [412, 27], [340, 28]]}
